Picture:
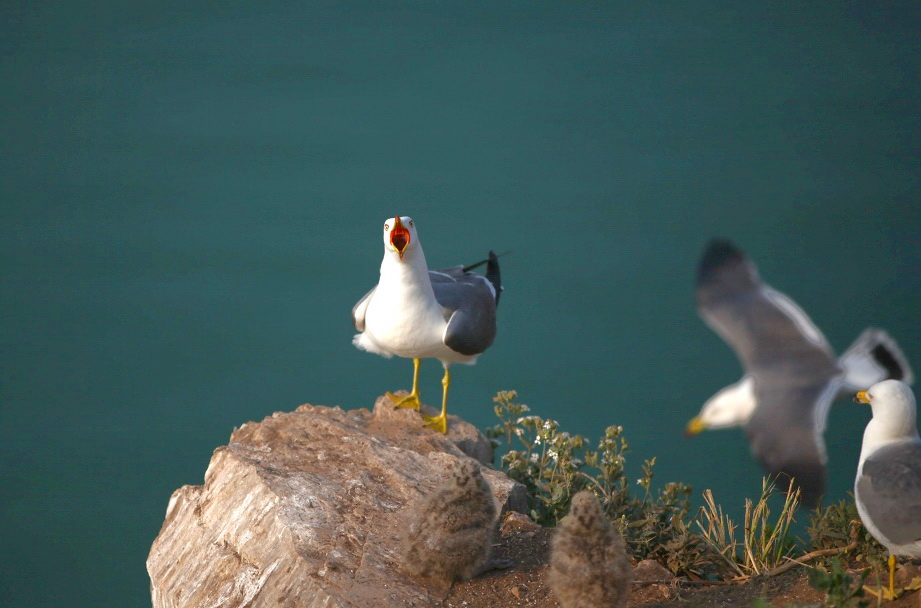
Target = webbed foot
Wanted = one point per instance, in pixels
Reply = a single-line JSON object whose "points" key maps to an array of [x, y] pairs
{"points": [[883, 592], [436, 423], [411, 400]]}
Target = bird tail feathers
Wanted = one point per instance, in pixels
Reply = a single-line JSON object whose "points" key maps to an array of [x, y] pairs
{"points": [[492, 271]]}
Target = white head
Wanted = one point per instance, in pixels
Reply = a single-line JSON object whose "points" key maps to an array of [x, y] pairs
{"points": [[400, 236], [730, 407], [894, 412]]}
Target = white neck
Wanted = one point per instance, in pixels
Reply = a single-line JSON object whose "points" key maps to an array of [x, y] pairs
{"points": [[888, 428], [405, 283]]}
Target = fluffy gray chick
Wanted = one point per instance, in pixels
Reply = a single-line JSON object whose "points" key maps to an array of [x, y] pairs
{"points": [[589, 567], [450, 534]]}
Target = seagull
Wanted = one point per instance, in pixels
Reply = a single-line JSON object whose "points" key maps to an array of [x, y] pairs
{"points": [[791, 373], [447, 314], [888, 485]]}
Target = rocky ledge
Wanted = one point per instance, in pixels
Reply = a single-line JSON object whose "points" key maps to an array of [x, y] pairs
{"points": [[307, 509]]}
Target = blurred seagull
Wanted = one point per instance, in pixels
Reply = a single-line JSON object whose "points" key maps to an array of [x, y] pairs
{"points": [[791, 374], [414, 312], [888, 485]]}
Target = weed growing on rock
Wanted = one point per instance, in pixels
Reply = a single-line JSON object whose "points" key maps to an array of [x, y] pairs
{"points": [[766, 541], [830, 528], [555, 465], [841, 590], [546, 461]]}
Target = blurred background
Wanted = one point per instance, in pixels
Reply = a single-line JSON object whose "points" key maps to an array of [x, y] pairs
{"points": [[193, 192]]}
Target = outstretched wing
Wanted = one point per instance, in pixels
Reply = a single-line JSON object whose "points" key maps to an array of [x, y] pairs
{"points": [[765, 328]]}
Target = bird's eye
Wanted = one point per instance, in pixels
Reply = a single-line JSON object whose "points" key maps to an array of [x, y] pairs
{"points": [[386, 227], [411, 223]]}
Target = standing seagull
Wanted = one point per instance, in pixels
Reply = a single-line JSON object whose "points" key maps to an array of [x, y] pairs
{"points": [[791, 374], [888, 485], [414, 312]]}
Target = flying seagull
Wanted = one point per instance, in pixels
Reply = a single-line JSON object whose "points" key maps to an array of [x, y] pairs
{"points": [[791, 374], [447, 314], [888, 485]]}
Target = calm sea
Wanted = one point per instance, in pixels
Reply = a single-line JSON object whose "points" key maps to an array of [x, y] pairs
{"points": [[192, 194]]}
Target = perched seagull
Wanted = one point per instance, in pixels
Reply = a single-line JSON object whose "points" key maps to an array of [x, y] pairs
{"points": [[791, 374], [414, 312], [888, 484]]}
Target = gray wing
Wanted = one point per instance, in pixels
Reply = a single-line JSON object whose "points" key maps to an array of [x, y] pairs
{"points": [[786, 437], [468, 302], [358, 311], [767, 331], [889, 488], [795, 372]]}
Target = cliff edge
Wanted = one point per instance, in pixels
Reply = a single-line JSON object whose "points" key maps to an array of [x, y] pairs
{"points": [[306, 509]]}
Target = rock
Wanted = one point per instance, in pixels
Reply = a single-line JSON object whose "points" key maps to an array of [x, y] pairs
{"points": [[650, 570], [518, 522], [306, 508]]}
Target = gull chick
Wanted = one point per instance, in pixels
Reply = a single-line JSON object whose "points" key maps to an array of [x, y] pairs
{"points": [[450, 534], [589, 567]]}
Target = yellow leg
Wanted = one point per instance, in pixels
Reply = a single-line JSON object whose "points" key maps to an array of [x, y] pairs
{"points": [[411, 400], [440, 423], [892, 576], [882, 592]]}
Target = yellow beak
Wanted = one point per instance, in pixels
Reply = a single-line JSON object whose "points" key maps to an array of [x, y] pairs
{"points": [[861, 397], [695, 426]]}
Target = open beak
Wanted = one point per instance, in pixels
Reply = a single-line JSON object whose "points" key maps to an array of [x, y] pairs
{"points": [[399, 236], [695, 426], [861, 397]]}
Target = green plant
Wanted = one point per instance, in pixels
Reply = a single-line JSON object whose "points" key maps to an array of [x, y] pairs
{"points": [[841, 590], [766, 542], [832, 527], [718, 531], [548, 461], [554, 465]]}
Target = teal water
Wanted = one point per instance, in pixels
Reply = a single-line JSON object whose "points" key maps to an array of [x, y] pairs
{"points": [[192, 195]]}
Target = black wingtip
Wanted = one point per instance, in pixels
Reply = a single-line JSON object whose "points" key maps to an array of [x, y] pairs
{"points": [[718, 253], [888, 361], [493, 275]]}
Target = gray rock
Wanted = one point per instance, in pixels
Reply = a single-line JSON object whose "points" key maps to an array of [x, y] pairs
{"points": [[306, 509]]}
